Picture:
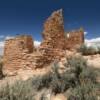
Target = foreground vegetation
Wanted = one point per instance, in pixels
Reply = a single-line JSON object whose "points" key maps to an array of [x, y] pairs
{"points": [[78, 78]]}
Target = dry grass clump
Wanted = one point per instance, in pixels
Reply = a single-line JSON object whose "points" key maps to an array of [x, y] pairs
{"points": [[18, 91]]}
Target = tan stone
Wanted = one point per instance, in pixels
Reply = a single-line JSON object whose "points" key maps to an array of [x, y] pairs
{"points": [[15, 51], [74, 39], [53, 33]]}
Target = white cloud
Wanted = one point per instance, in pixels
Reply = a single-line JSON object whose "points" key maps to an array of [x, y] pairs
{"points": [[93, 42], [2, 44], [2, 39], [8, 37], [37, 43], [85, 33]]}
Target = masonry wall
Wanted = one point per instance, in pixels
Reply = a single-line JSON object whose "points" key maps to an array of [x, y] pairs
{"points": [[16, 50], [53, 33], [74, 39]]}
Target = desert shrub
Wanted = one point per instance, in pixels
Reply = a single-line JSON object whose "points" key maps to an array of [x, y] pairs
{"points": [[40, 82], [88, 50], [87, 75], [54, 80], [81, 70], [57, 84], [99, 50], [78, 74], [1, 72], [85, 79], [18, 91], [83, 92]]}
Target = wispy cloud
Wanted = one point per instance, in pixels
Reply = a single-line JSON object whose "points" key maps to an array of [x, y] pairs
{"points": [[85, 33], [37, 43], [9, 37], [2, 40]]}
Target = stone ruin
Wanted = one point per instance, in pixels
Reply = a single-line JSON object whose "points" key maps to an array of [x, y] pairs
{"points": [[20, 53], [15, 51], [53, 34], [74, 39]]}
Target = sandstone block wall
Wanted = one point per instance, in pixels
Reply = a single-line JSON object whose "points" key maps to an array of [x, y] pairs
{"points": [[74, 39], [53, 33], [53, 42], [15, 50]]}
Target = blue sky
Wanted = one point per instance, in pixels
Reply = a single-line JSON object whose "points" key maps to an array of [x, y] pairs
{"points": [[28, 16]]}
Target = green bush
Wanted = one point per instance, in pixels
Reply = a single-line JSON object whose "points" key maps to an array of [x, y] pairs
{"points": [[18, 91]]}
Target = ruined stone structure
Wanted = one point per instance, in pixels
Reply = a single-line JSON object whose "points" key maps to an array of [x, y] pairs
{"points": [[53, 33], [20, 53], [74, 39], [54, 36], [15, 51]]}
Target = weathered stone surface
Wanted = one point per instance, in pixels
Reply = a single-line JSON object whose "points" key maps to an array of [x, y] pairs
{"points": [[53, 33], [74, 39], [53, 42], [15, 50], [54, 36]]}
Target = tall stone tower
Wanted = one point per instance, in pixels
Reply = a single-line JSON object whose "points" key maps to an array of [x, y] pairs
{"points": [[53, 34]]}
